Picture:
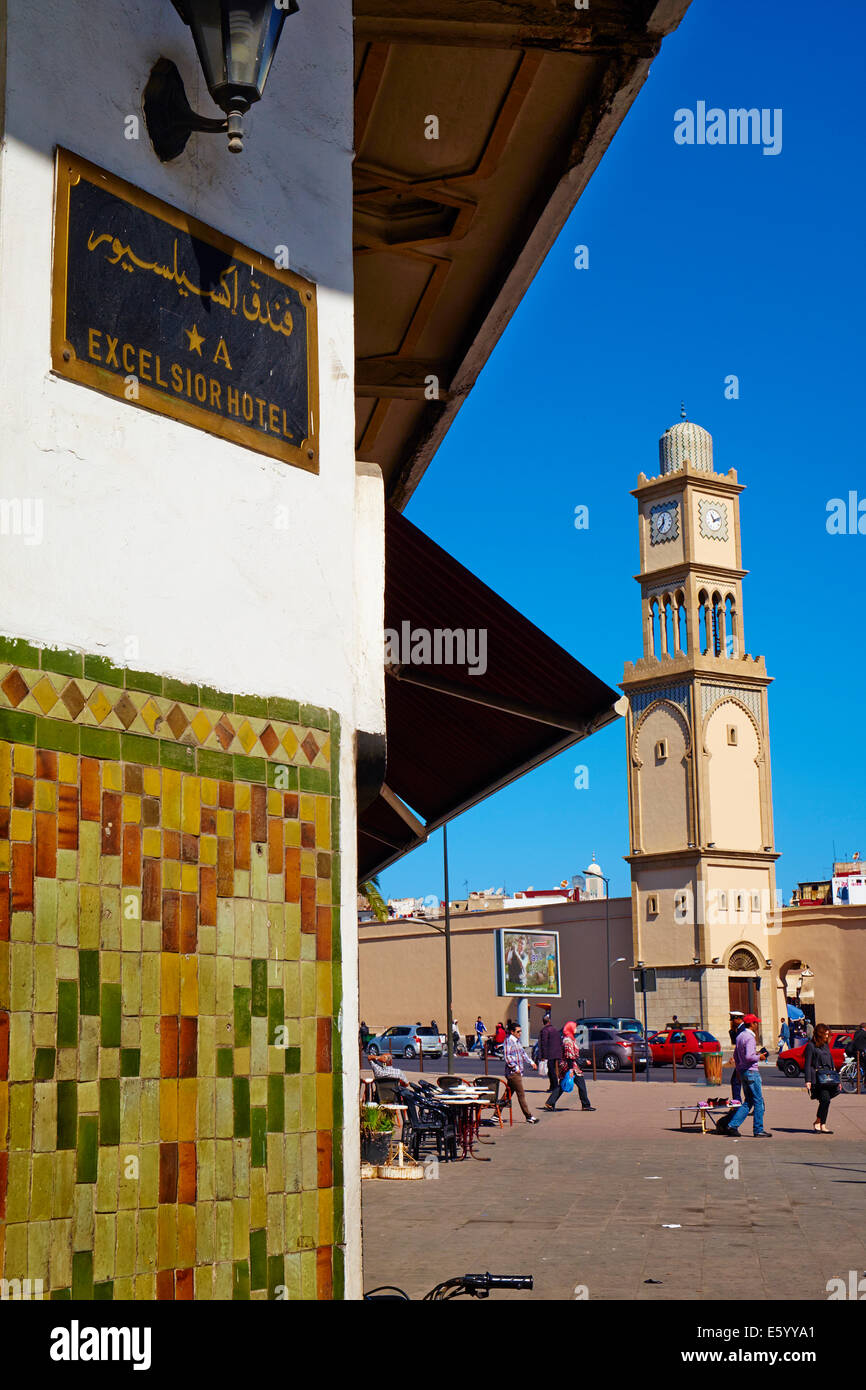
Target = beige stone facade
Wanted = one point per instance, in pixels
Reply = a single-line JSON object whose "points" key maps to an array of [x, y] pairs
{"points": [[700, 791]]}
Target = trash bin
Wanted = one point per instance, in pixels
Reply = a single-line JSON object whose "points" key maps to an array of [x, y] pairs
{"points": [[713, 1068]]}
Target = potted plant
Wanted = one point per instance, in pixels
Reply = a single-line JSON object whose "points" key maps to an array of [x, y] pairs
{"points": [[377, 1127]]}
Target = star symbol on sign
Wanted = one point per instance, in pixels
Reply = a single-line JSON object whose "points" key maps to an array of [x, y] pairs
{"points": [[195, 339]]}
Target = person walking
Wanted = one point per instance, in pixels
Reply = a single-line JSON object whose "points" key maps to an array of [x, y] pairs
{"points": [[810, 1029], [746, 1062], [859, 1044], [516, 1058], [480, 1031], [737, 1024], [570, 1063], [820, 1072], [784, 1036], [550, 1051]]}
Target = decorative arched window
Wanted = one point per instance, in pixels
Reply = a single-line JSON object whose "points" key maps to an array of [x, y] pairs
{"points": [[656, 626], [703, 620], [718, 620], [669, 624], [730, 632], [743, 961], [682, 625]]}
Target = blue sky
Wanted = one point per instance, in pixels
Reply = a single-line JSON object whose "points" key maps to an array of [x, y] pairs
{"points": [[703, 261]]}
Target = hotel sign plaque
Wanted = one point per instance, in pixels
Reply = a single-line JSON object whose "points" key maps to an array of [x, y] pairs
{"points": [[156, 309]]}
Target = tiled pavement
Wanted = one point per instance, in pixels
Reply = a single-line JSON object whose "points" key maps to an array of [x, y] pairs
{"points": [[586, 1199]]}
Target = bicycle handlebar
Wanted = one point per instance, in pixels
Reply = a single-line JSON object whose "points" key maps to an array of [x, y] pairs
{"points": [[497, 1281]]}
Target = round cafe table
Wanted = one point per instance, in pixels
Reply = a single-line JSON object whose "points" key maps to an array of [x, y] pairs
{"points": [[467, 1108]]}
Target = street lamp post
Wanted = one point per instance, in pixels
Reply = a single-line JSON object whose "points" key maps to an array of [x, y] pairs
{"points": [[596, 873]]}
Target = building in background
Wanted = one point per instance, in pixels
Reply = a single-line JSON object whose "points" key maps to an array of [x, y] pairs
{"points": [[700, 794]]}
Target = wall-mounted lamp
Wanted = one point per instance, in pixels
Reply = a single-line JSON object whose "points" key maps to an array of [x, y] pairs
{"points": [[236, 41], [716, 960]]}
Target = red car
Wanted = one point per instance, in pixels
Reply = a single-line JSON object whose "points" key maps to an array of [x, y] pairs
{"points": [[685, 1044], [791, 1061]]}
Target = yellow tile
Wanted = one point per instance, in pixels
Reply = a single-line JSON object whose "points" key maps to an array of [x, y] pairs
{"points": [[209, 792], [241, 1228], [323, 822], [61, 1254], [326, 1216], [275, 802], [152, 784], [189, 878], [187, 1107], [243, 793], [5, 774], [151, 714], [247, 735], [44, 694], [207, 849], [307, 806], [188, 986], [290, 743], [167, 1238], [46, 796], [191, 819], [42, 1186], [171, 873], [21, 825], [89, 908], [185, 1236], [150, 967], [324, 1101], [308, 863], [146, 1255], [82, 1216], [149, 1169], [151, 842], [21, 976], [64, 1184], [18, 1187], [109, 967], [258, 1199], [88, 1097], [105, 1225], [170, 983], [16, 1252], [132, 809], [171, 788], [124, 1261], [5, 856], [201, 726], [67, 768], [112, 777], [107, 1179], [24, 760], [225, 824], [99, 704], [168, 1111]]}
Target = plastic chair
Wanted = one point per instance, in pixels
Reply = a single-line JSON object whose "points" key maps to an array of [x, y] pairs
{"points": [[500, 1096], [450, 1083], [426, 1120]]}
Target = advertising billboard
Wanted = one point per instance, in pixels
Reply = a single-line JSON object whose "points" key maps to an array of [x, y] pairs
{"points": [[528, 964]]}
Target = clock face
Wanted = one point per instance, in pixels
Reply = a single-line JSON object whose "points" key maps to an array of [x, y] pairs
{"points": [[664, 523], [714, 519]]}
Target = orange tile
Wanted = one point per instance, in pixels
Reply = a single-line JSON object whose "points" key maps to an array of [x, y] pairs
{"points": [[293, 875], [67, 820], [89, 789], [131, 864], [275, 845], [187, 1056], [188, 986], [170, 921], [112, 803], [184, 1284], [242, 839], [324, 1282], [323, 933], [22, 877], [323, 1044], [168, 1172], [259, 812], [186, 1180], [227, 795], [151, 881], [46, 764], [46, 845], [5, 915], [308, 904], [324, 1158], [168, 1046], [225, 869], [170, 983], [165, 1285], [208, 896], [188, 923]]}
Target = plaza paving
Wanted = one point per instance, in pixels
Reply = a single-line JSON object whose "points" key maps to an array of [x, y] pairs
{"points": [[586, 1199]]}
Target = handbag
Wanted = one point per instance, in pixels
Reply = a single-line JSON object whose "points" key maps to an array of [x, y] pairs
{"points": [[542, 1067], [828, 1078], [567, 1082]]}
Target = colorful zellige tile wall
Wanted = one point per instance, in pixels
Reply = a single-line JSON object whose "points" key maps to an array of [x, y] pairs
{"points": [[170, 1074]]}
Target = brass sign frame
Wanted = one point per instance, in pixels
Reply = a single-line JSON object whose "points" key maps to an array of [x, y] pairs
{"points": [[65, 362]]}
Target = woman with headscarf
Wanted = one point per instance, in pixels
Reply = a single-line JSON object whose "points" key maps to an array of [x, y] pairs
{"points": [[570, 1063], [820, 1073]]}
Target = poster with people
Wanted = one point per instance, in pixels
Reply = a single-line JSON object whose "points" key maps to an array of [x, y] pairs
{"points": [[528, 963]]}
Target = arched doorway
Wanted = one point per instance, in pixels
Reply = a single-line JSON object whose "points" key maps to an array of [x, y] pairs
{"points": [[744, 982]]}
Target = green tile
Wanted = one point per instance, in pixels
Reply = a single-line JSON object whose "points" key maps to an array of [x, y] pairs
{"points": [[43, 1065], [17, 727], [339, 1274], [287, 710], [258, 1259], [276, 1014], [100, 743], [240, 1280], [67, 1114], [250, 769], [110, 1016], [282, 776], [99, 668], [130, 1061], [135, 748], [338, 1159], [241, 1104], [216, 765], [216, 699], [181, 690], [82, 1275], [276, 1103], [61, 1295], [225, 1062], [67, 1013], [144, 680], [339, 1234], [336, 937], [293, 1059], [88, 979], [62, 738], [88, 1149], [336, 878], [17, 652], [254, 706], [315, 718], [104, 1293], [65, 663], [180, 757], [109, 1112], [259, 1001], [315, 779], [243, 1022], [259, 1137], [275, 1275]]}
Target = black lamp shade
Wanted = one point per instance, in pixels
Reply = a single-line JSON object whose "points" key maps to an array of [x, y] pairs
{"points": [[236, 41]]}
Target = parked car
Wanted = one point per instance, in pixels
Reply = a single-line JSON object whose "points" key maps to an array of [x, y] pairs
{"points": [[687, 1045], [791, 1062], [619, 1025], [613, 1048], [406, 1041]]}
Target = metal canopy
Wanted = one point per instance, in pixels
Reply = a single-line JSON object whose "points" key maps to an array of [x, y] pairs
{"points": [[454, 738]]}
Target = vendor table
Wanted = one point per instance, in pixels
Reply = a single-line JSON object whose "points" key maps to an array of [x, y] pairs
{"points": [[702, 1112]]}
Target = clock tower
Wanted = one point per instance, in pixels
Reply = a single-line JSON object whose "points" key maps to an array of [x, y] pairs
{"points": [[700, 798]]}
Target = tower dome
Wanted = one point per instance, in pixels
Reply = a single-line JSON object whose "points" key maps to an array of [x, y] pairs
{"points": [[682, 441]]}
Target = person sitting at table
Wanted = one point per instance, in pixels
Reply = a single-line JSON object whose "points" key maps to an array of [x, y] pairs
{"points": [[381, 1066]]}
